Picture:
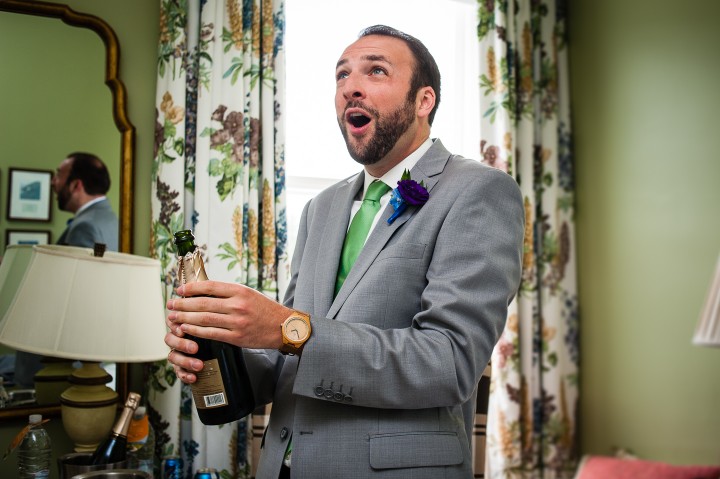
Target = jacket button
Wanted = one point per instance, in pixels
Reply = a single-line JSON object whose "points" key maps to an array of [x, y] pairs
{"points": [[284, 433]]}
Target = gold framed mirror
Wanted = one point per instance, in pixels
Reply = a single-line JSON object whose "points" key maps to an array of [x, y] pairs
{"points": [[121, 162]]}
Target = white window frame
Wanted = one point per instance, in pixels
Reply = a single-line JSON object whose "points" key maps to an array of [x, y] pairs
{"points": [[316, 33]]}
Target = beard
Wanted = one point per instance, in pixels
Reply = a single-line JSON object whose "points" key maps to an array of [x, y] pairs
{"points": [[387, 132], [63, 196]]}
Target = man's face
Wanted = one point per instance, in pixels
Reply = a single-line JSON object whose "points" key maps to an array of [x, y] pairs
{"points": [[376, 114], [60, 185]]}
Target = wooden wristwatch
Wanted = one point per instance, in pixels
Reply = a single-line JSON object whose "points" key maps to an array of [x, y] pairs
{"points": [[296, 331]]}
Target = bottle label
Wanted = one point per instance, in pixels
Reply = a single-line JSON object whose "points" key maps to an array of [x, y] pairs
{"points": [[139, 430], [209, 391]]}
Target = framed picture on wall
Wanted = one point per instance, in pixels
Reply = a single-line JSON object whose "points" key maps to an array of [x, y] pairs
{"points": [[27, 237], [29, 195]]}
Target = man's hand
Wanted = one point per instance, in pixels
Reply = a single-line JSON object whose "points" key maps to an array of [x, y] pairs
{"points": [[182, 364], [226, 312]]}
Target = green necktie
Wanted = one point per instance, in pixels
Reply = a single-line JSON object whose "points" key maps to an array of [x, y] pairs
{"points": [[359, 229]]}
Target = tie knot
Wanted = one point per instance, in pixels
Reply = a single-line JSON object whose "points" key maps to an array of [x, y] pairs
{"points": [[375, 191]]}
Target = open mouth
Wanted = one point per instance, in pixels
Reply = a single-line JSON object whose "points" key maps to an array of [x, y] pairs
{"points": [[358, 120]]}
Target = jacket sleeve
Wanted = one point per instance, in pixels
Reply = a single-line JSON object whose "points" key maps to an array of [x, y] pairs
{"points": [[264, 365]]}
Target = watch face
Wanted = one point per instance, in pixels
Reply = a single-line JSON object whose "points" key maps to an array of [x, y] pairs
{"points": [[296, 329]]}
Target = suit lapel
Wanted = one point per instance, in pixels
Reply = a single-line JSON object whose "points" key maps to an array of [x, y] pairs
{"points": [[427, 170], [331, 242]]}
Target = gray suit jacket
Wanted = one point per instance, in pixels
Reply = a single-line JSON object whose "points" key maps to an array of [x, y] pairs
{"points": [[387, 384], [96, 224]]}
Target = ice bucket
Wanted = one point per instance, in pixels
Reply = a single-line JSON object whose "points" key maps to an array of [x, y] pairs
{"points": [[71, 465], [114, 474]]}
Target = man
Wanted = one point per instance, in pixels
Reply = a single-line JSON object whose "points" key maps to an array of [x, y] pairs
{"points": [[80, 184], [386, 383]]}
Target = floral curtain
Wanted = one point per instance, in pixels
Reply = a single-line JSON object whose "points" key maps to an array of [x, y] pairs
{"points": [[525, 130], [218, 170]]}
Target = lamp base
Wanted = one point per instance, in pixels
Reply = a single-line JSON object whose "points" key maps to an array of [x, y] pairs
{"points": [[52, 380], [88, 407]]}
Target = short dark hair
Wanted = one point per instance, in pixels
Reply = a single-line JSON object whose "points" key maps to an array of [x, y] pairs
{"points": [[426, 72], [89, 169]]}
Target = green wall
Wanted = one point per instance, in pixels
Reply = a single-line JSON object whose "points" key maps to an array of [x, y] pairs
{"points": [[136, 24], [644, 79], [54, 102]]}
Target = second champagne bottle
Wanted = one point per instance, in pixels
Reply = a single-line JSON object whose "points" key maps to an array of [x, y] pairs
{"points": [[222, 392], [114, 448]]}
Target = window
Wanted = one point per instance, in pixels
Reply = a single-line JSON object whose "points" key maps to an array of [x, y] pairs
{"points": [[316, 35]]}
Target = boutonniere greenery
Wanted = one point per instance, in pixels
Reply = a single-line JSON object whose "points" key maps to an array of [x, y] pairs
{"points": [[408, 192]]}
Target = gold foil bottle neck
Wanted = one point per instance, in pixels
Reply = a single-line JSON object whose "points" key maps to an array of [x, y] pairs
{"points": [[191, 268], [123, 423]]}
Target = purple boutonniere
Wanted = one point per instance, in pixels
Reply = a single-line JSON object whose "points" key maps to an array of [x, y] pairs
{"points": [[408, 192]]}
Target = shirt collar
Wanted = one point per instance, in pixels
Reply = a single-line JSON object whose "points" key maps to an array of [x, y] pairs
{"points": [[392, 177], [89, 204]]}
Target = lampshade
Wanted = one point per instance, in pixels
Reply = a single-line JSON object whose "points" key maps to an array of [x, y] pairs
{"points": [[708, 329], [68, 302], [63, 301]]}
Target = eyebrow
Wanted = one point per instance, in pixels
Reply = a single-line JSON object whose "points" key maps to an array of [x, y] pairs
{"points": [[369, 58]]}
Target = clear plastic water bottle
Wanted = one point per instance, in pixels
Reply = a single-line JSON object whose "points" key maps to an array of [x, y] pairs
{"points": [[34, 452]]}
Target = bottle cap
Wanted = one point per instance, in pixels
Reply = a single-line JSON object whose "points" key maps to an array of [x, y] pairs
{"points": [[35, 418]]}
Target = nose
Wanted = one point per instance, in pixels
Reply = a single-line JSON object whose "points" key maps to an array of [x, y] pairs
{"points": [[352, 88]]}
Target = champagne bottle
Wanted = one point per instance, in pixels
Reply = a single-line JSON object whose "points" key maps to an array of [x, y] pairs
{"points": [[114, 448], [222, 392]]}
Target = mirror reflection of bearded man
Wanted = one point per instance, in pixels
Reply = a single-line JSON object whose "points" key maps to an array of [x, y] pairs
{"points": [[80, 184]]}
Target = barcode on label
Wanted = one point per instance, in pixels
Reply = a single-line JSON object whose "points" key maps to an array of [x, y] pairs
{"points": [[215, 400]]}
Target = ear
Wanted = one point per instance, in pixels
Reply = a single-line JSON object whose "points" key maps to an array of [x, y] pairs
{"points": [[75, 184], [426, 101]]}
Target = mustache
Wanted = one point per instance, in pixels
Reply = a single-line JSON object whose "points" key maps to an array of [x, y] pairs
{"points": [[361, 105]]}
